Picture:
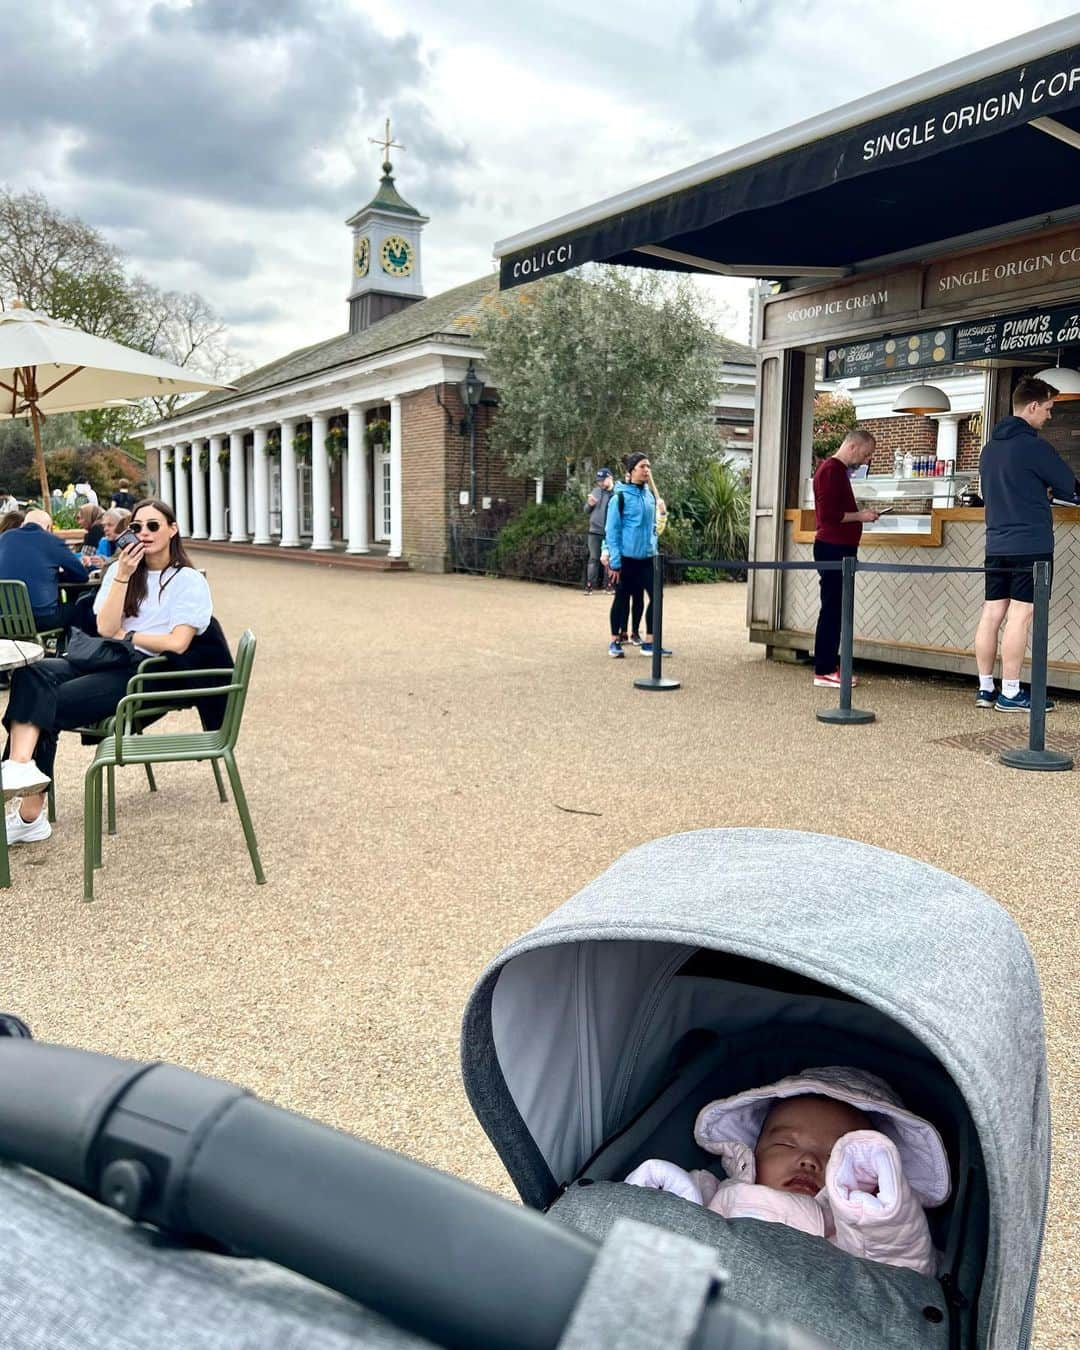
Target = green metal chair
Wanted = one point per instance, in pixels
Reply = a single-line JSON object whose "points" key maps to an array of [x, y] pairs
{"points": [[126, 745], [17, 618]]}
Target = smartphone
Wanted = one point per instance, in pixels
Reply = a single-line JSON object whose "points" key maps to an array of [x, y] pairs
{"points": [[123, 540], [882, 509]]}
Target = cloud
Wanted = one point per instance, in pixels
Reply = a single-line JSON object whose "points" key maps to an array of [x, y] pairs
{"points": [[725, 31]]}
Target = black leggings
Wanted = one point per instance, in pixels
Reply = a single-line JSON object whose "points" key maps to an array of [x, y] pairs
{"points": [[55, 697], [635, 581]]}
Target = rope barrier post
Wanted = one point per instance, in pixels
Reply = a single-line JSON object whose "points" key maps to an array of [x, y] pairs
{"points": [[845, 713], [1035, 754], [657, 680]]}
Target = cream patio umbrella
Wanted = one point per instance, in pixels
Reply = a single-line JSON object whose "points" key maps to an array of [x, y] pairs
{"points": [[47, 366]]}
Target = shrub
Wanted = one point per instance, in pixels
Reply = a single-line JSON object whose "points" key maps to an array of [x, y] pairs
{"points": [[532, 523], [717, 503]]}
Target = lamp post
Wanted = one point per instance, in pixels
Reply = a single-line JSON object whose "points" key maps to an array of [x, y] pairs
{"points": [[471, 388]]}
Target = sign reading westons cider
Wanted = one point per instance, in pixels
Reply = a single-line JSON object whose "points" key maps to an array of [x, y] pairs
{"points": [[818, 313], [1003, 271]]}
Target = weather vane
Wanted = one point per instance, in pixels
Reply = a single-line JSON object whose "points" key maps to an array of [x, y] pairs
{"points": [[387, 144]]}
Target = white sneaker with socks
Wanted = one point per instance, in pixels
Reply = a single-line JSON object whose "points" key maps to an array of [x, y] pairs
{"points": [[21, 831]]}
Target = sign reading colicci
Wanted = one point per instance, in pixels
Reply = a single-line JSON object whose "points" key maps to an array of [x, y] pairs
{"points": [[543, 260]]}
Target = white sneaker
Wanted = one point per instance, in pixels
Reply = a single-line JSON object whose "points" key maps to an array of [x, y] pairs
{"points": [[21, 831], [24, 778]]}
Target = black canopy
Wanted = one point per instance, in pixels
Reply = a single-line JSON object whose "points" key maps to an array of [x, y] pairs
{"points": [[971, 157]]}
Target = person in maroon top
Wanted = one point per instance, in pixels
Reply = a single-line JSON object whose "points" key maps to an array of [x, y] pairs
{"points": [[839, 529]]}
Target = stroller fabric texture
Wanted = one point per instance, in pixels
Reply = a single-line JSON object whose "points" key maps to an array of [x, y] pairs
{"points": [[569, 1035]]}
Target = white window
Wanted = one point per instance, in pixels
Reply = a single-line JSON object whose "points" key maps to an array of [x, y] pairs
{"points": [[306, 525]]}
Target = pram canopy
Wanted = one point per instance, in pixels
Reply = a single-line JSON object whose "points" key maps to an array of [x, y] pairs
{"points": [[825, 949]]}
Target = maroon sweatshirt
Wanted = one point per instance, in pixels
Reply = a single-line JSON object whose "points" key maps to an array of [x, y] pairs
{"points": [[833, 499]]}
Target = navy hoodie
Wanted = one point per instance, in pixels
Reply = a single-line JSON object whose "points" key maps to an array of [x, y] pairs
{"points": [[1015, 469]]}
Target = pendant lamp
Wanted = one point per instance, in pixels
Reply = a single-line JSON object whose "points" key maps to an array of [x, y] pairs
{"points": [[922, 398], [1065, 380]]}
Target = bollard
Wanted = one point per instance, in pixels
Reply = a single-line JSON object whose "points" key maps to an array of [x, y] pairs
{"points": [[656, 680], [845, 713], [1035, 754]]}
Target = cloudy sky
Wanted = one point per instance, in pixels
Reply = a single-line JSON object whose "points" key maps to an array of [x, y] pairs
{"points": [[222, 143]]}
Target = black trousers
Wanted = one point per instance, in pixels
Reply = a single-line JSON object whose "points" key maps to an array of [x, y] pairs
{"points": [[827, 637], [55, 697], [596, 544], [635, 581]]}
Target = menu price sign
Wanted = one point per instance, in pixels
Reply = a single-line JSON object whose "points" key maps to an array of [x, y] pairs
{"points": [[883, 355], [1034, 330]]}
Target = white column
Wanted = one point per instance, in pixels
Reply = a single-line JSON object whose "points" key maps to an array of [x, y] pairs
{"points": [[948, 437], [343, 469], [357, 479], [290, 497], [198, 492], [320, 483], [237, 490], [165, 479], [539, 492], [262, 489], [217, 491], [396, 521], [180, 492]]}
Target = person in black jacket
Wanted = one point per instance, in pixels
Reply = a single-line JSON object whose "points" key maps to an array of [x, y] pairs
{"points": [[1019, 472], [596, 504]]}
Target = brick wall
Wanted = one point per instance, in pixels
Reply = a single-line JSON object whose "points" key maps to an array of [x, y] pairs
{"points": [[970, 441], [915, 434]]}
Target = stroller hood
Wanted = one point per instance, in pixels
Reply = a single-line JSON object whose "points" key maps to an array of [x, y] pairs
{"points": [[568, 1034]]}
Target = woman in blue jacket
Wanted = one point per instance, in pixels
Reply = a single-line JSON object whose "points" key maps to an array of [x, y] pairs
{"points": [[630, 540]]}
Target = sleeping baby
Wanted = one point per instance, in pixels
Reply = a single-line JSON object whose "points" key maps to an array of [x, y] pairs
{"points": [[831, 1151]]}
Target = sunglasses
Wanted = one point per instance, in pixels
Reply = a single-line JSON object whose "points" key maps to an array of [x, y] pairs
{"points": [[152, 525]]}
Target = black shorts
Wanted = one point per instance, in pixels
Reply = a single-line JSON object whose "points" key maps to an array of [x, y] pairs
{"points": [[1012, 584]]}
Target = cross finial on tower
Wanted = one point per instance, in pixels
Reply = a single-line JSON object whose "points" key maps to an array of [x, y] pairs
{"points": [[387, 144]]}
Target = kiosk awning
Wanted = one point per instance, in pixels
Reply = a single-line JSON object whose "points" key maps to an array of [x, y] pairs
{"points": [[988, 141]]}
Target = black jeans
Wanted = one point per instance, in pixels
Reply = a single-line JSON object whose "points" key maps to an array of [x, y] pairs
{"points": [[596, 544], [55, 697], [635, 581], [827, 637]]}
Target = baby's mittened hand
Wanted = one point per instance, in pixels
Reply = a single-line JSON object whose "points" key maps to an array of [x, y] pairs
{"points": [[664, 1176], [863, 1177]]}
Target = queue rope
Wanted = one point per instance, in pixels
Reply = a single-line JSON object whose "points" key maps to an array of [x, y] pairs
{"points": [[1034, 756]]}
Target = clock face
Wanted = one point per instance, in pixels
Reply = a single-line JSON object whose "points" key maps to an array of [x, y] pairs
{"points": [[362, 256], [396, 255]]}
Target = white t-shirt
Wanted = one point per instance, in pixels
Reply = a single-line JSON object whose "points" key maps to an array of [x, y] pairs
{"points": [[184, 599]]}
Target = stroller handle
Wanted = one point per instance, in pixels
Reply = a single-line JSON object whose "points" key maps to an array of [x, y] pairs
{"points": [[198, 1157]]}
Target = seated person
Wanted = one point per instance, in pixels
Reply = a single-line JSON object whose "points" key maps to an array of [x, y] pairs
{"points": [[89, 518], [152, 596], [33, 554], [113, 523], [11, 520], [831, 1151]]}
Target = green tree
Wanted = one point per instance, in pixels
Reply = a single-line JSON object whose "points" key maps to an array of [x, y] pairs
{"points": [[590, 367], [834, 416]]}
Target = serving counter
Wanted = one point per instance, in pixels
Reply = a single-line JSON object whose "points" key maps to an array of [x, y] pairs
{"points": [[928, 619]]}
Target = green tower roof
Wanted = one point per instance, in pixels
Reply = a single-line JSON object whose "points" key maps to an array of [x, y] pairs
{"points": [[388, 198]]}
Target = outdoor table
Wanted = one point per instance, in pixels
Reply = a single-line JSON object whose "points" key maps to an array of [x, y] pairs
{"points": [[12, 655]]}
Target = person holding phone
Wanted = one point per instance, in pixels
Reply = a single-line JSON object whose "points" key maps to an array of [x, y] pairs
{"points": [[152, 598], [839, 529]]}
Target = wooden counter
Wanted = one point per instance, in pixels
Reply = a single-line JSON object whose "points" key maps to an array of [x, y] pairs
{"points": [[804, 524]]}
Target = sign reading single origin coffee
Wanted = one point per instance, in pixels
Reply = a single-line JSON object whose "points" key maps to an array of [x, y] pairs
{"points": [[1003, 271]]}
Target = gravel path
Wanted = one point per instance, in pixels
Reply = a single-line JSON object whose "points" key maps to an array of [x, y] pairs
{"points": [[407, 745]]}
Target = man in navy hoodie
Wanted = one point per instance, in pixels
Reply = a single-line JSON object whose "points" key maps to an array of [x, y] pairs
{"points": [[1018, 472], [33, 554]]}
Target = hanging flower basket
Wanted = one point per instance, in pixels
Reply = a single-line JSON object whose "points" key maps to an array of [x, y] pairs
{"points": [[223, 457], [377, 432], [273, 445], [337, 442], [302, 446], [202, 461]]}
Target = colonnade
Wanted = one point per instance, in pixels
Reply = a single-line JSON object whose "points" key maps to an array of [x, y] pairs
{"points": [[209, 507]]}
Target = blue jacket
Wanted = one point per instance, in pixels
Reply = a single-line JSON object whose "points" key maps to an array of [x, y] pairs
{"points": [[40, 559], [1015, 469], [631, 525]]}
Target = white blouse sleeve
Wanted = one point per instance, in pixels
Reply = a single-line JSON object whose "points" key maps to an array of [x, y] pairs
{"points": [[191, 603]]}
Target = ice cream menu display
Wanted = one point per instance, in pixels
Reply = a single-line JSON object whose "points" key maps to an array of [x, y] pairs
{"points": [[882, 355], [1034, 330]]}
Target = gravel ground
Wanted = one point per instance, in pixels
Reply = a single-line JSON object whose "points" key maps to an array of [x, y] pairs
{"points": [[407, 746]]}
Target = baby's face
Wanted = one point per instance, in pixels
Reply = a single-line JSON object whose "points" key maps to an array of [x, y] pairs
{"points": [[796, 1139]]}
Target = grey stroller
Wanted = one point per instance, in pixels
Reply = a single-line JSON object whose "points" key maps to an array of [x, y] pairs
{"points": [[708, 963]]}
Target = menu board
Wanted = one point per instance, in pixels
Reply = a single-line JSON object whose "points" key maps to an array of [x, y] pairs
{"points": [[884, 355], [1034, 330]]}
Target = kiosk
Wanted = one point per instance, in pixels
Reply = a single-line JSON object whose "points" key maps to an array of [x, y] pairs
{"points": [[931, 226]]}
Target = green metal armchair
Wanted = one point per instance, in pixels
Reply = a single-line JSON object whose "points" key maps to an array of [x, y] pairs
{"points": [[148, 692], [17, 618]]}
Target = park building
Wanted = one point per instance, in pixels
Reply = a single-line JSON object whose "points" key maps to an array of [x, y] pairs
{"points": [[366, 448]]}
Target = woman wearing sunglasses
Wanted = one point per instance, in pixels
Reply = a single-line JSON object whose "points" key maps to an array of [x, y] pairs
{"points": [[152, 595]]}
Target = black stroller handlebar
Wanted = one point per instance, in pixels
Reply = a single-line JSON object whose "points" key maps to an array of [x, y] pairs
{"points": [[197, 1157]]}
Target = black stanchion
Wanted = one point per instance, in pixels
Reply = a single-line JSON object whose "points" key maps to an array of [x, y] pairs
{"points": [[845, 713], [1035, 754], [657, 680]]}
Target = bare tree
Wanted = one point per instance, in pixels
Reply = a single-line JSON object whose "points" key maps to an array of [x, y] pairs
{"points": [[42, 250]]}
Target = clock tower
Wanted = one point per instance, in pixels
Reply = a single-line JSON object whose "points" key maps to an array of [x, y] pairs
{"points": [[385, 264]]}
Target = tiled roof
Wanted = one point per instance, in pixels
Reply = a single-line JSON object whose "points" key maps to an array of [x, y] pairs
{"points": [[450, 314], [736, 352]]}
